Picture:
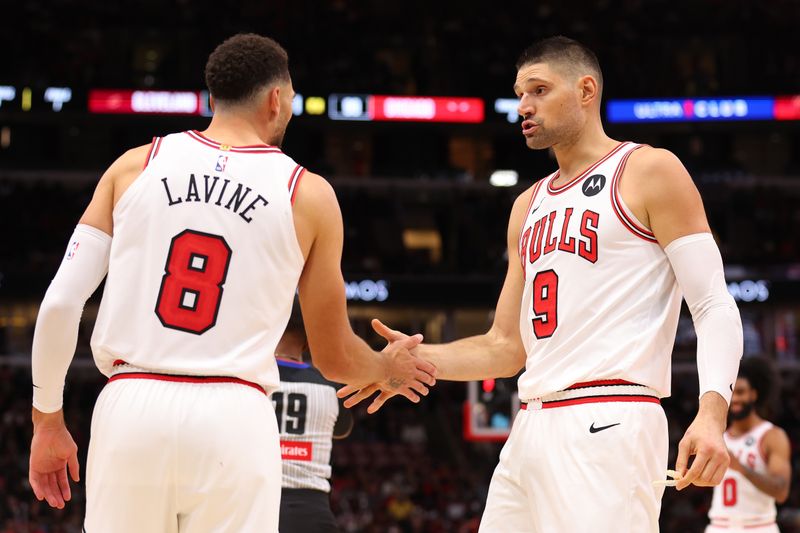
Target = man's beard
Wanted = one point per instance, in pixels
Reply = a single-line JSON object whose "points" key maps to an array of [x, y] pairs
{"points": [[743, 413]]}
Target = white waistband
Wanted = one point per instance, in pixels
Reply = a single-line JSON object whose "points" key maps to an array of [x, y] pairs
{"points": [[590, 390]]}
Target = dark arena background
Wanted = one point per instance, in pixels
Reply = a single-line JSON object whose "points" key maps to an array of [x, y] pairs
{"points": [[407, 108]]}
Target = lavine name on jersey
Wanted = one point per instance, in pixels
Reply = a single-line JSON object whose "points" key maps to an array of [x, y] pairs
{"points": [[233, 197], [561, 231]]}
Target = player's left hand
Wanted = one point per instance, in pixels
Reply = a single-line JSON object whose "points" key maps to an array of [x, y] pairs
{"points": [[53, 454], [357, 395], [703, 439]]}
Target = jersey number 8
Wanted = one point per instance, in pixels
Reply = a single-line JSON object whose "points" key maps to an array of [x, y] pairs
{"points": [[191, 289]]}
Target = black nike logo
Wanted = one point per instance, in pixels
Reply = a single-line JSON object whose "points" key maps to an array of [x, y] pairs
{"points": [[593, 429]]}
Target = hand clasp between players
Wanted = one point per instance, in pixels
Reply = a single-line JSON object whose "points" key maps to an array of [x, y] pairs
{"points": [[409, 375]]}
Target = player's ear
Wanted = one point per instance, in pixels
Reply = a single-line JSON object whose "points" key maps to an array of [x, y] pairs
{"points": [[589, 89], [275, 99]]}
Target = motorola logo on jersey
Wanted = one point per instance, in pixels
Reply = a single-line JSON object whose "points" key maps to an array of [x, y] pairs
{"points": [[593, 184]]}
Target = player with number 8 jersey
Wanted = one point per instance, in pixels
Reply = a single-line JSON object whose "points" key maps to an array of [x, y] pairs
{"points": [[194, 226], [204, 237]]}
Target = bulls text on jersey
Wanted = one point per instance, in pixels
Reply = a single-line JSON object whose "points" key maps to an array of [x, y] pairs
{"points": [[560, 231]]}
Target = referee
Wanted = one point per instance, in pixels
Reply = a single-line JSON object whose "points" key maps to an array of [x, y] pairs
{"points": [[309, 418]]}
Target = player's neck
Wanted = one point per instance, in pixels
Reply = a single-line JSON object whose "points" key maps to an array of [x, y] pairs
{"points": [[576, 155], [235, 130], [740, 427]]}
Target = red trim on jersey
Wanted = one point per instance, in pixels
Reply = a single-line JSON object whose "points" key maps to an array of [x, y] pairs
{"points": [[294, 181], [150, 153], [248, 149], [616, 203], [158, 147], [599, 383], [186, 379], [597, 399], [558, 190], [536, 188]]}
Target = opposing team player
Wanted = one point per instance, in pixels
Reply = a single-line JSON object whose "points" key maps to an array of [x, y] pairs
{"points": [[309, 418], [760, 470], [212, 234], [599, 254]]}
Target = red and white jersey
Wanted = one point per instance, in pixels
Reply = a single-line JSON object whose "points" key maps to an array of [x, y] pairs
{"points": [[736, 500], [204, 262], [600, 298]]}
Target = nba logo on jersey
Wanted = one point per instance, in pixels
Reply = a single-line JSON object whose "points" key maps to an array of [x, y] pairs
{"points": [[222, 161], [73, 249]]}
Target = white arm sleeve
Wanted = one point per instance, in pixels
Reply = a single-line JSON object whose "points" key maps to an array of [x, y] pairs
{"points": [[83, 268], [697, 264]]}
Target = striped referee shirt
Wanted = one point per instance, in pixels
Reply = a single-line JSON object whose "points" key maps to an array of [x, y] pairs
{"points": [[309, 417]]}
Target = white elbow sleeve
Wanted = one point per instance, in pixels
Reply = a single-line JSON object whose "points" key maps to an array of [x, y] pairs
{"points": [[697, 264], [83, 268]]}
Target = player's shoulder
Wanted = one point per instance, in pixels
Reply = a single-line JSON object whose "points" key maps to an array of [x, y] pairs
{"points": [[315, 193], [524, 198], [133, 158], [775, 434], [647, 159]]}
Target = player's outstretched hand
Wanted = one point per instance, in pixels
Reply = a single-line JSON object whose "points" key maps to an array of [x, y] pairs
{"points": [[410, 377], [704, 440], [53, 453]]}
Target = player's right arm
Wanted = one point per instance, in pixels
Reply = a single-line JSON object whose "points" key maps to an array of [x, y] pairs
{"points": [[497, 353], [339, 353], [53, 451]]}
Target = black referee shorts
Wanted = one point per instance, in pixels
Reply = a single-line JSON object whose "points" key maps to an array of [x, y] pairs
{"points": [[306, 511]]}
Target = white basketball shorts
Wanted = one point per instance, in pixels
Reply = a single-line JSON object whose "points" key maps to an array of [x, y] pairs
{"points": [[582, 461], [182, 456]]}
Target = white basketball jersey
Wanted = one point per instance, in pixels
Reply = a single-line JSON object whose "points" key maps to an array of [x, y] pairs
{"points": [[736, 498], [600, 298], [204, 262]]}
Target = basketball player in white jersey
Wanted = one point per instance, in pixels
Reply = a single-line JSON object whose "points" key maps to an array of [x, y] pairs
{"points": [[213, 232], [310, 417], [760, 472], [599, 253]]}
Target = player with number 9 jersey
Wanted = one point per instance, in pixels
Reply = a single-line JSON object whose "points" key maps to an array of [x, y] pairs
{"points": [[585, 257]]}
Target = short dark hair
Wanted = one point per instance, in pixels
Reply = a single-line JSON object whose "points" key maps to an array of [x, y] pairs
{"points": [[568, 53], [762, 376], [242, 65]]}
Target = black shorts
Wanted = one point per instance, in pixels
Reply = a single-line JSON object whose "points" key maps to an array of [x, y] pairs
{"points": [[306, 511]]}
